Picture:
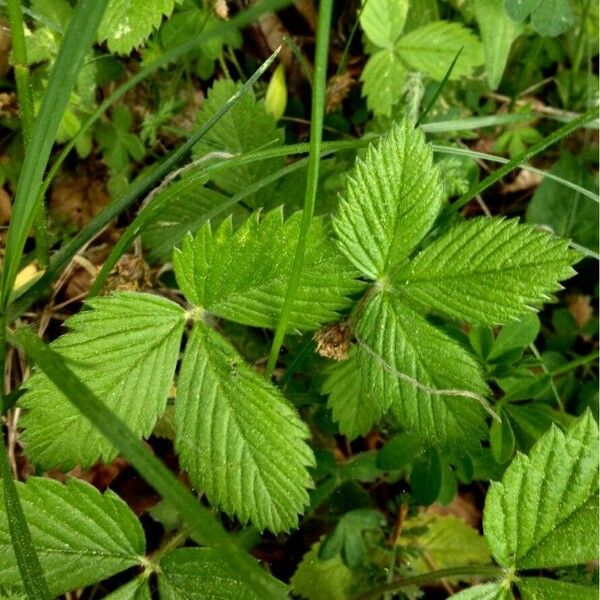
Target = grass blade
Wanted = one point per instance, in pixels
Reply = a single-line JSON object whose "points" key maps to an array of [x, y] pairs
{"points": [[203, 526], [439, 89], [499, 159], [163, 170], [498, 174], [78, 38], [25, 97], [29, 564], [312, 179]]}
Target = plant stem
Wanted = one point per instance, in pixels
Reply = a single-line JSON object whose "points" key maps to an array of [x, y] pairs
{"points": [[433, 576], [578, 362], [25, 97], [312, 180]]}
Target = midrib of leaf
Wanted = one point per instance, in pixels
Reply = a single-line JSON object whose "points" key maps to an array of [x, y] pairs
{"points": [[398, 215]]}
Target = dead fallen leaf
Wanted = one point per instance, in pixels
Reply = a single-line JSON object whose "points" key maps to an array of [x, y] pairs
{"points": [[525, 180], [463, 506], [5, 207], [76, 200], [338, 87], [131, 273], [580, 306]]}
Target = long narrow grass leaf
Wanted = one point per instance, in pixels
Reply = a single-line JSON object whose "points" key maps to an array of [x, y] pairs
{"points": [[312, 180], [27, 559], [77, 40], [498, 174], [25, 96], [203, 526], [439, 89]]}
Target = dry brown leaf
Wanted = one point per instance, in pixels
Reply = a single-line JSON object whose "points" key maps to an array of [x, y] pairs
{"points": [[463, 506], [5, 207], [338, 87], [131, 273], [580, 306], [77, 200], [525, 180], [5, 45]]}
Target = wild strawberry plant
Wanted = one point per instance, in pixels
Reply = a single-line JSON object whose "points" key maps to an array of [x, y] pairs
{"points": [[409, 365]]}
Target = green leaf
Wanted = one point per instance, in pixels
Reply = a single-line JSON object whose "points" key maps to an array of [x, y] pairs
{"points": [[127, 23], [516, 335], [242, 275], [519, 10], [429, 49], [498, 32], [137, 589], [486, 270], [347, 538], [566, 213], [316, 578], [485, 591], [241, 442], [125, 349], [383, 81], [246, 126], [392, 199], [502, 439], [403, 362], [383, 20], [80, 535], [199, 573], [544, 512], [447, 542], [426, 477], [540, 588], [353, 413], [548, 17], [399, 452]]}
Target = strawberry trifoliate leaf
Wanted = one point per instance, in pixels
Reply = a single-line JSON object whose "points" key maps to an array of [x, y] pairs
{"points": [[544, 513], [80, 535], [125, 349], [242, 276], [383, 20], [430, 49], [383, 81], [486, 270], [429, 382], [237, 436], [200, 573], [244, 127], [392, 199], [127, 23]]}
